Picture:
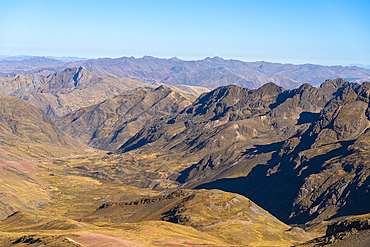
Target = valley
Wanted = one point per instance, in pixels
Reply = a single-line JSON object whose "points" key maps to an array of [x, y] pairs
{"points": [[88, 158]]}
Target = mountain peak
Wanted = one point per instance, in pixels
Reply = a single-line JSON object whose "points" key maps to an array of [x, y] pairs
{"points": [[175, 59], [270, 89], [215, 58], [336, 83], [329, 87], [163, 87]]}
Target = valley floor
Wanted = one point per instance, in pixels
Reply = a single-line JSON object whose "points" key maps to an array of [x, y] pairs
{"points": [[72, 195]]}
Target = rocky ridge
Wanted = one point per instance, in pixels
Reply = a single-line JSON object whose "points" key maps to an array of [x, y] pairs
{"points": [[62, 92], [112, 122], [251, 141]]}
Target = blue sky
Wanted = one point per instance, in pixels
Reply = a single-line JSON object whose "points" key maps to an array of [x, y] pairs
{"points": [[298, 32]]}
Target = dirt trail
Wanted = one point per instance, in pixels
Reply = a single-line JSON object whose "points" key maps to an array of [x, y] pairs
{"points": [[103, 239]]}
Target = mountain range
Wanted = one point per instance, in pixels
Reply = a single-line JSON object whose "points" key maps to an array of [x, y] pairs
{"points": [[209, 72], [112, 122], [115, 150], [62, 92], [301, 154]]}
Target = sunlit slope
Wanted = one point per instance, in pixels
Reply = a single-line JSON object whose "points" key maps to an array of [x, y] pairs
{"points": [[112, 122], [229, 217], [22, 229], [20, 189], [26, 132], [62, 92], [85, 210]]}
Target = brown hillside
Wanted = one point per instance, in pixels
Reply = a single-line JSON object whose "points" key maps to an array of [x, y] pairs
{"points": [[66, 91], [229, 217], [110, 123], [26, 134]]}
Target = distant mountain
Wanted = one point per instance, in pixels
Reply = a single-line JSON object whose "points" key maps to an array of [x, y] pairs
{"points": [[25, 57], [209, 72], [68, 59], [301, 154], [223, 72], [361, 65], [110, 123], [16, 58], [28, 66], [66, 91]]}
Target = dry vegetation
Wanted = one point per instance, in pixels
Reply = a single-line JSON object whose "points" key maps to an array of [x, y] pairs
{"points": [[69, 216]]}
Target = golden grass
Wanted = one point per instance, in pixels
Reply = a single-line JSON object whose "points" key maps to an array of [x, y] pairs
{"points": [[73, 191]]}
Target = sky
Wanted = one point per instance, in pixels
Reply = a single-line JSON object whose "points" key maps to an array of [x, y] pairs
{"points": [[322, 32]]}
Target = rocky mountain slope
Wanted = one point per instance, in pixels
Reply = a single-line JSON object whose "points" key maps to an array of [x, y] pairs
{"points": [[112, 122], [66, 91], [345, 232], [301, 154]]}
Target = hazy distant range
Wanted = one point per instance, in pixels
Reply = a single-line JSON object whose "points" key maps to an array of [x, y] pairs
{"points": [[209, 72]]}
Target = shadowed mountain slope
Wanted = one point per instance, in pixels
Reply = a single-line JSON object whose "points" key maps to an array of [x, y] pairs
{"points": [[222, 107], [318, 173], [345, 232], [301, 154], [63, 92], [110, 123]]}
